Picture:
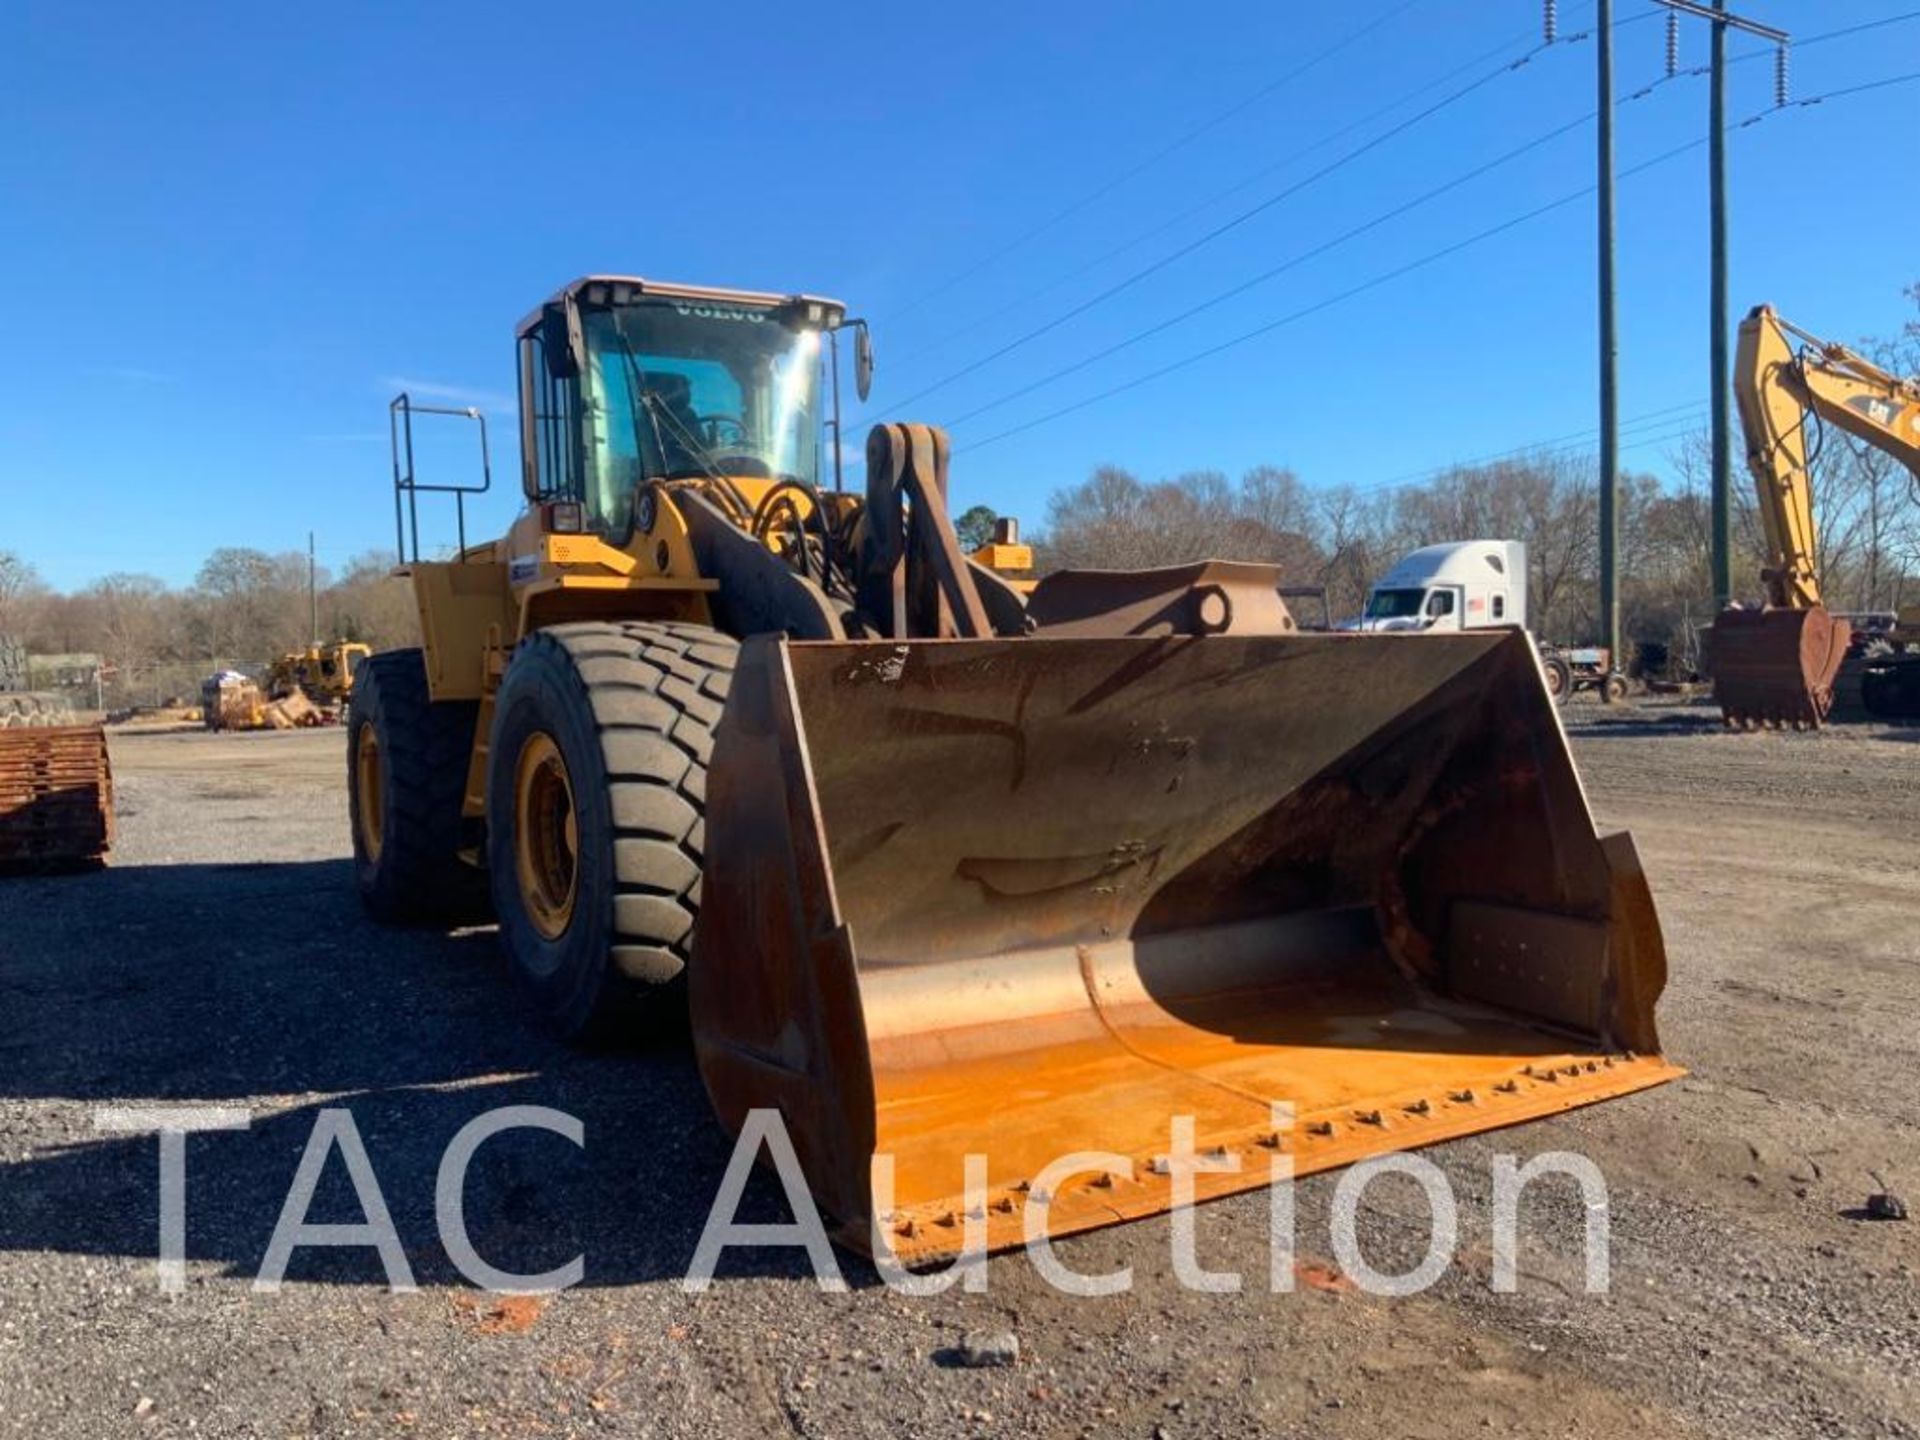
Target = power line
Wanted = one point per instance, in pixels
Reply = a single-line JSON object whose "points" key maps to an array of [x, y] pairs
{"points": [[1293, 317], [1399, 271], [1292, 262], [1671, 432], [1576, 440], [1802, 42], [1180, 217], [1179, 143], [1174, 221], [1354, 233], [1314, 252], [1891, 80], [1225, 226]]}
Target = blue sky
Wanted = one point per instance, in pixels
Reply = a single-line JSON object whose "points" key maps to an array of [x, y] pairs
{"points": [[231, 231]]}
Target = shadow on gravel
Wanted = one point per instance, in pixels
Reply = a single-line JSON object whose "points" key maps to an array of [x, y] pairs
{"points": [[263, 987], [1629, 726]]}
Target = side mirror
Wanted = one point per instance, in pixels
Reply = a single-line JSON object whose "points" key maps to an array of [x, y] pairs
{"points": [[862, 360], [556, 343]]}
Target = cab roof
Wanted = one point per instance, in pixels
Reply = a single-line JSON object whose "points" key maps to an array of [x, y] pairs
{"points": [[635, 285]]}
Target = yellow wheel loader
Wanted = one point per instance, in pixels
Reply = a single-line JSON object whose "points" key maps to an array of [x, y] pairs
{"points": [[963, 876]]}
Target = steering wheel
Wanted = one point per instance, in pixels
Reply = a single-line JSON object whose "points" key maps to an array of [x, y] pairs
{"points": [[713, 426]]}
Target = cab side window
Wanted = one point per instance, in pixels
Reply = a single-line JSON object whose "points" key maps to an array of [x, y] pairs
{"points": [[549, 439], [1439, 603]]}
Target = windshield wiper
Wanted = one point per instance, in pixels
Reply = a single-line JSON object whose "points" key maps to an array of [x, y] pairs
{"points": [[636, 386]]}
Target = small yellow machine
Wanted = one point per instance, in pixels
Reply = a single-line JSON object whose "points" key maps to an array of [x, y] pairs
{"points": [[952, 865], [302, 688], [324, 673], [1776, 665]]}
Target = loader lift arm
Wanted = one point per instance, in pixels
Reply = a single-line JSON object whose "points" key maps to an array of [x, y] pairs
{"points": [[1777, 665]]}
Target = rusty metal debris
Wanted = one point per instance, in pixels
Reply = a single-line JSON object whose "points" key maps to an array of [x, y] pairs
{"points": [[56, 795]]}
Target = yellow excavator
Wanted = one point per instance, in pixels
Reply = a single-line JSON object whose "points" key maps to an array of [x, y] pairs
{"points": [[949, 865], [1775, 665]]}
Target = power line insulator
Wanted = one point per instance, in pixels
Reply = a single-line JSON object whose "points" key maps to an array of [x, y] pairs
{"points": [[1673, 43], [1780, 87], [1551, 21]]}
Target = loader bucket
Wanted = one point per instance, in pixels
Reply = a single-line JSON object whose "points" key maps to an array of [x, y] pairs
{"points": [[56, 795], [1021, 898], [1776, 667]]}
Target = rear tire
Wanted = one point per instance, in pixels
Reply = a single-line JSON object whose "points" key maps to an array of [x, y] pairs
{"points": [[1559, 677], [596, 792], [406, 780]]}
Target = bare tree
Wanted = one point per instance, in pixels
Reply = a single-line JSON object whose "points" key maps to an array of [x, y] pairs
{"points": [[21, 591], [131, 614], [369, 603]]}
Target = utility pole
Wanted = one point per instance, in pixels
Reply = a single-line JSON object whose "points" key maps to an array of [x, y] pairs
{"points": [[1609, 362], [313, 597], [1720, 378], [1721, 375]]}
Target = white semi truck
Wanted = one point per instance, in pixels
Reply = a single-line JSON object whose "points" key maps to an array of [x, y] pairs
{"points": [[1471, 585]]}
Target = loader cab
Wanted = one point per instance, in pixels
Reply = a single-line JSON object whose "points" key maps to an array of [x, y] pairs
{"points": [[624, 382]]}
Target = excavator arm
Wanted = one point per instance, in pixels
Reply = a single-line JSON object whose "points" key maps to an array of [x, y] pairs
{"points": [[1777, 387], [1776, 665]]}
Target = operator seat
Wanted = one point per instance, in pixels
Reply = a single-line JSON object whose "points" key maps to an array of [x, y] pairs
{"points": [[673, 394]]}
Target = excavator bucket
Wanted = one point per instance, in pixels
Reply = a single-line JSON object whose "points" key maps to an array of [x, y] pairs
{"points": [[1776, 667], [1318, 896], [56, 795]]}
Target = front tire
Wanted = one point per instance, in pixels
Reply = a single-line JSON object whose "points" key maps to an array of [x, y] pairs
{"points": [[596, 787]]}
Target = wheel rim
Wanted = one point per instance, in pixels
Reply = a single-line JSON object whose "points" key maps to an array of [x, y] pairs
{"points": [[546, 835], [366, 779]]}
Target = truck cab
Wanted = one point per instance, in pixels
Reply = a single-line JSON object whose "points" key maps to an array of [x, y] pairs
{"points": [[1462, 585]]}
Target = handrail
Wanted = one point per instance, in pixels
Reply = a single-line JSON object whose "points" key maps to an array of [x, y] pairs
{"points": [[406, 513]]}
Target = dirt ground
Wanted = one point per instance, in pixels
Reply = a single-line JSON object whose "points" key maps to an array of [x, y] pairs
{"points": [[222, 960]]}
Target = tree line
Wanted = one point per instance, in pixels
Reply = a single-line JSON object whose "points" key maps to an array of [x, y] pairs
{"points": [[1344, 537], [244, 608], [247, 606]]}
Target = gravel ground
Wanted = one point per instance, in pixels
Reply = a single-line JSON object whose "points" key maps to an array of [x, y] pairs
{"points": [[222, 961]]}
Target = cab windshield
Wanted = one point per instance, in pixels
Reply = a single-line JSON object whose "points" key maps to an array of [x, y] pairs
{"points": [[683, 388], [1394, 604]]}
